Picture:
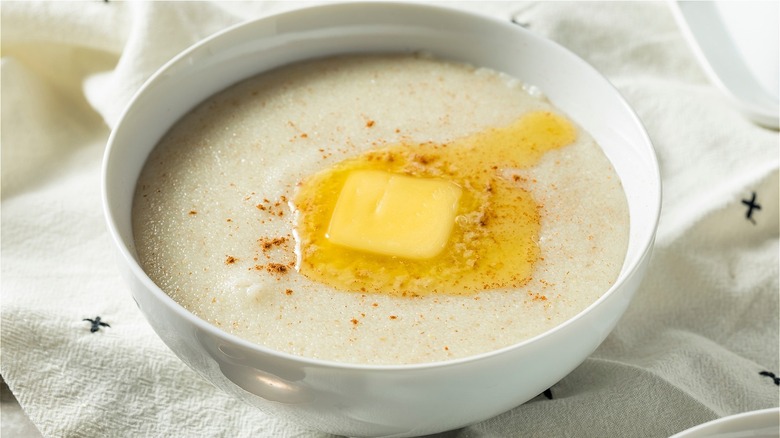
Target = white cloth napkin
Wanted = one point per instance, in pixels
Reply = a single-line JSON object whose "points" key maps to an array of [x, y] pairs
{"points": [[699, 342]]}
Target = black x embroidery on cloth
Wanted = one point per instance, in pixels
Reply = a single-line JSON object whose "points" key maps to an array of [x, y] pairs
{"points": [[751, 205], [772, 376], [519, 23], [96, 324]]}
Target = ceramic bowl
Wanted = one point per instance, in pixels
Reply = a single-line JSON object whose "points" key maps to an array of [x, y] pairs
{"points": [[363, 400]]}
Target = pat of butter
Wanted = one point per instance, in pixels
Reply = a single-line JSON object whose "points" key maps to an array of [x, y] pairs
{"points": [[393, 214]]}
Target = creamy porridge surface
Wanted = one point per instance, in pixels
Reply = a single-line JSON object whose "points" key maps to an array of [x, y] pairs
{"points": [[213, 223]]}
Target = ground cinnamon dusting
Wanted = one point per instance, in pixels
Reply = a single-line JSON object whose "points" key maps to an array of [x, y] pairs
{"points": [[267, 243], [277, 268]]}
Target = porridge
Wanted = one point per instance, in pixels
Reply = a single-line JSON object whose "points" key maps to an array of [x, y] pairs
{"points": [[380, 209]]}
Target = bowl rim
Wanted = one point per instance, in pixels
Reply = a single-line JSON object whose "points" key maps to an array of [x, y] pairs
{"points": [[645, 245]]}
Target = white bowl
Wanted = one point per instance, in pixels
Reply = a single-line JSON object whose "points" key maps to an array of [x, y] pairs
{"points": [[368, 400], [763, 423]]}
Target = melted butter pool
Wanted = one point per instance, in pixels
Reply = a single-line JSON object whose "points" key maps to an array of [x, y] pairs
{"points": [[493, 243]]}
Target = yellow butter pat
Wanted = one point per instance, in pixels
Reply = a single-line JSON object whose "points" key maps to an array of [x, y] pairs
{"points": [[396, 215]]}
